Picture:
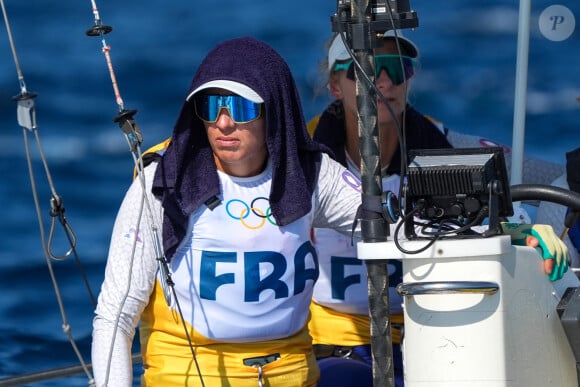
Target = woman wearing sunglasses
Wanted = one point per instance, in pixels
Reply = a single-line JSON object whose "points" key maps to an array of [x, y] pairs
{"points": [[340, 325], [211, 250]]}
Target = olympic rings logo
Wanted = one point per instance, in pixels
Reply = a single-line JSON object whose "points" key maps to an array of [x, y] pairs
{"points": [[239, 210]]}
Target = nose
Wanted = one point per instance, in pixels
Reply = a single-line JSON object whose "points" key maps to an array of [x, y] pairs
{"points": [[224, 119], [383, 79]]}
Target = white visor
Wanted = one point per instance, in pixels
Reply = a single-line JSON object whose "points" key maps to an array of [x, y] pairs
{"points": [[235, 87]]}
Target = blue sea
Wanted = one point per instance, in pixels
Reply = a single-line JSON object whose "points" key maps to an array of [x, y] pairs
{"points": [[466, 79]]}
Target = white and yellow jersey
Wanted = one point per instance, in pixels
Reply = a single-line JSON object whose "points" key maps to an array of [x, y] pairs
{"points": [[340, 307], [243, 285]]}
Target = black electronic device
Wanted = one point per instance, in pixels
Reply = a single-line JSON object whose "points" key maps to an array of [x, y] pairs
{"points": [[463, 186]]}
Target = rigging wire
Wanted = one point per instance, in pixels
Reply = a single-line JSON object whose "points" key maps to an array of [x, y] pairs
{"points": [[134, 139], [125, 117], [26, 115], [167, 284]]}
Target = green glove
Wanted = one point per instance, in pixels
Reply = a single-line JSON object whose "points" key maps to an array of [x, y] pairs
{"points": [[552, 246]]}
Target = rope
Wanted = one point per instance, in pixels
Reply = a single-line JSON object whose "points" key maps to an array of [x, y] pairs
{"points": [[125, 117]]}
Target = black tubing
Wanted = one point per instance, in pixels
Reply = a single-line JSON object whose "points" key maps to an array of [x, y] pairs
{"points": [[521, 192]]}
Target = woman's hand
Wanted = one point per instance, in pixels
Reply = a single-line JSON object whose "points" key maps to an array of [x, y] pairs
{"points": [[554, 252]]}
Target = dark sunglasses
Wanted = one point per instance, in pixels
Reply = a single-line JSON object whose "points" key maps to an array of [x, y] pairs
{"points": [[240, 109], [391, 63]]}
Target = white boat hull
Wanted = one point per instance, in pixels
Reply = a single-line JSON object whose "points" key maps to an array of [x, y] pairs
{"points": [[460, 332]]}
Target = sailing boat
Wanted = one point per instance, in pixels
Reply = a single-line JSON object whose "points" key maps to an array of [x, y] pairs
{"points": [[482, 250]]}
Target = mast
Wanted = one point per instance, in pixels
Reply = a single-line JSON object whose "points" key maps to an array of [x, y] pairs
{"points": [[362, 24], [373, 226], [519, 122]]}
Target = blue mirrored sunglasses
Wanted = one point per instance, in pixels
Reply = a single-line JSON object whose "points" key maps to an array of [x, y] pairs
{"points": [[240, 109], [391, 63]]}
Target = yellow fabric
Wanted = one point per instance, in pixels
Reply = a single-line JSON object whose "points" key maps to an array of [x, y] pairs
{"points": [[221, 364], [330, 327], [433, 120], [155, 148], [311, 125]]}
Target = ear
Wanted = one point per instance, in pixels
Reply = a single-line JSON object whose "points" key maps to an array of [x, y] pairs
{"points": [[334, 86]]}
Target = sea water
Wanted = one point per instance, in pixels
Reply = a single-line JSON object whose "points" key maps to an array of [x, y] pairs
{"points": [[466, 79]]}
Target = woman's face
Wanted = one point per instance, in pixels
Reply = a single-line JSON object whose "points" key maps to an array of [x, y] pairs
{"points": [[396, 95], [239, 149]]}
